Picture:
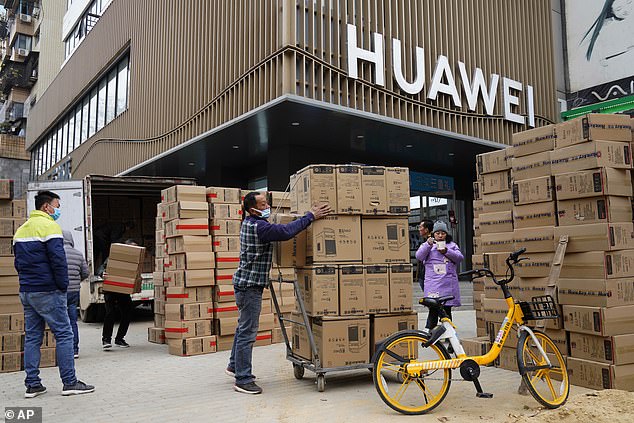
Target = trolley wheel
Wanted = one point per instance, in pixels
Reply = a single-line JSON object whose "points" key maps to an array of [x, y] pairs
{"points": [[321, 382], [298, 371]]}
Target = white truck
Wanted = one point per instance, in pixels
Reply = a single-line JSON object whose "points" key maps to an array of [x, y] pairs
{"points": [[124, 206]]}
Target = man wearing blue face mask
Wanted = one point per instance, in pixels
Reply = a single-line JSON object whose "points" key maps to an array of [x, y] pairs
{"points": [[252, 276], [41, 264]]}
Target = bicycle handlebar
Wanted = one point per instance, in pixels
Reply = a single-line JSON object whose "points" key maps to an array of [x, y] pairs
{"points": [[512, 259]]}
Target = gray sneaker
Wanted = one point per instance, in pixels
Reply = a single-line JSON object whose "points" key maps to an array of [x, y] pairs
{"points": [[33, 391], [248, 388], [77, 389]]}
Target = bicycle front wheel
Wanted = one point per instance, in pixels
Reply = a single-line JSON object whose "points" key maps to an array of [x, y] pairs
{"points": [[405, 393], [548, 384]]}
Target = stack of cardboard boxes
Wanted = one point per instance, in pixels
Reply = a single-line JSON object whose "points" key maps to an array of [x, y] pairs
{"points": [[353, 266], [12, 216], [571, 179]]}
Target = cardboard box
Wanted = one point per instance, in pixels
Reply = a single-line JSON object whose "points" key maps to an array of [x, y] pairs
{"points": [[599, 265], [535, 240], [178, 227], [289, 253], [315, 184], [377, 283], [189, 243], [397, 184], [477, 245], [11, 342], [591, 155], [182, 295], [583, 211], [225, 211], [535, 215], [531, 287], [47, 357], [352, 299], [224, 293], [507, 359], [19, 208], [10, 362], [187, 329], [594, 375], [218, 227], [6, 189], [226, 310], [121, 284], [223, 195], [11, 322], [6, 209], [126, 253], [227, 260], [349, 192], [495, 310], [491, 223], [599, 320], [534, 140], [191, 261], [474, 347], [531, 166], [495, 262], [374, 191], [605, 349], [342, 341], [186, 210], [6, 227], [538, 265], [224, 276], [593, 183], [183, 193], [478, 207], [319, 287], [536, 190], [497, 242], [401, 288], [478, 188], [385, 240], [300, 343], [495, 182], [159, 320], [594, 126], [279, 199], [156, 335], [182, 311], [192, 346], [476, 226], [226, 244], [596, 292], [597, 236], [225, 326], [190, 278], [497, 202], [334, 239], [384, 326], [9, 285], [491, 162], [6, 246]]}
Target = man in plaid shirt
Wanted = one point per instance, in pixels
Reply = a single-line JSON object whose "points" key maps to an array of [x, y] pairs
{"points": [[252, 276]]}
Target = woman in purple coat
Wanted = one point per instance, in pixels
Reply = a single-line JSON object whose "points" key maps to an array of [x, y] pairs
{"points": [[441, 257]]}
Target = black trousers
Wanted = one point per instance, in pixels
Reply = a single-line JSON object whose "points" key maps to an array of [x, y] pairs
{"points": [[124, 303], [432, 317]]}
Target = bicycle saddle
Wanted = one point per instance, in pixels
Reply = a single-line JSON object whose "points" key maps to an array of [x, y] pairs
{"points": [[435, 302]]}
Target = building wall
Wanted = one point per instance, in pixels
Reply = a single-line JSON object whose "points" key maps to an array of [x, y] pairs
{"points": [[196, 65], [18, 170], [51, 46]]}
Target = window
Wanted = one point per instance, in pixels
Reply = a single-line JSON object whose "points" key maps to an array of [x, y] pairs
{"points": [[122, 86], [23, 41], [84, 119], [112, 95], [64, 149], [101, 105], [50, 151], [77, 136], [58, 154], [25, 7], [92, 128], [71, 133]]}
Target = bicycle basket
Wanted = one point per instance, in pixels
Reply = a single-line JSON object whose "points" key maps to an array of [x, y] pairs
{"points": [[542, 307]]}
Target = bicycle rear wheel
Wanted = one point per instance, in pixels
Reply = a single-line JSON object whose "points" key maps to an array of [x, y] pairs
{"points": [[549, 385], [401, 391]]}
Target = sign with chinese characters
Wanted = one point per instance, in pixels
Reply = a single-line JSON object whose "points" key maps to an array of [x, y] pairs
{"points": [[426, 182]]}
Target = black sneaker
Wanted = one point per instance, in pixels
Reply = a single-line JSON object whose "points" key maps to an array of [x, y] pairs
{"points": [[248, 388], [33, 391], [106, 345], [121, 343], [77, 389]]}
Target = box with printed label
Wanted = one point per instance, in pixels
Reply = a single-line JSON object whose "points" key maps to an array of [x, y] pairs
{"points": [[178, 227], [224, 293], [187, 329], [594, 126], [494, 161], [334, 239], [495, 310], [121, 284], [6, 189], [352, 299], [225, 326], [374, 191], [127, 253], [189, 278], [189, 243], [226, 310], [278, 199], [11, 342], [599, 320], [6, 226], [596, 292], [535, 215], [11, 322], [583, 211], [385, 240], [478, 207], [536, 190], [182, 311], [597, 237], [289, 253], [227, 260], [342, 341], [349, 192], [192, 346], [319, 287], [495, 182], [377, 286], [535, 240], [226, 244], [315, 184], [224, 276], [183, 193], [531, 287], [225, 211], [6, 208], [534, 140], [497, 242], [595, 375], [191, 261], [495, 262], [531, 166], [181, 295], [397, 184], [385, 325], [156, 335], [224, 227], [401, 280], [538, 265], [591, 155], [19, 208], [593, 183], [10, 362], [300, 343], [599, 265], [491, 223], [48, 357], [606, 349], [223, 195], [497, 202], [477, 190], [474, 347], [186, 210]]}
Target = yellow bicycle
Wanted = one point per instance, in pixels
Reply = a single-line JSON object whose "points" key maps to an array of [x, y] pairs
{"points": [[412, 369]]}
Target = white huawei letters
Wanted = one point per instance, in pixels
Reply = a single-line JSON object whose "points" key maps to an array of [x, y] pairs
{"points": [[443, 80]]}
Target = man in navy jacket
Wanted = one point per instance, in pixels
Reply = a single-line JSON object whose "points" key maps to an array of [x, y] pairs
{"points": [[252, 276]]}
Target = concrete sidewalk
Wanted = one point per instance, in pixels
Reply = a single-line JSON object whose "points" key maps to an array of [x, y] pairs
{"points": [[145, 383]]}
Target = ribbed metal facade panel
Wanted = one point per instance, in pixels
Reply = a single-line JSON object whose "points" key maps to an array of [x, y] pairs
{"points": [[198, 64]]}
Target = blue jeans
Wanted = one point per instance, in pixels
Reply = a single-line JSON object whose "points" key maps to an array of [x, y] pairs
{"points": [[72, 299], [41, 308], [249, 303]]}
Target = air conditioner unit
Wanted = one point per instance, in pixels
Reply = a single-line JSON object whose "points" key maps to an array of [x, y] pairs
{"points": [[25, 18], [23, 52]]}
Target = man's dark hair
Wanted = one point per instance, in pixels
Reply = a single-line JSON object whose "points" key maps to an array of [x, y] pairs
{"points": [[250, 202], [44, 197], [428, 224]]}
